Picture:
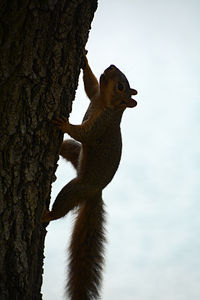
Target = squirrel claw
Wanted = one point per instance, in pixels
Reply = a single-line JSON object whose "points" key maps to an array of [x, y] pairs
{"points": [[62, 123], [60, 120]]}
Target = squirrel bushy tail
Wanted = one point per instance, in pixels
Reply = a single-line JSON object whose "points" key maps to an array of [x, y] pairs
{"points": [[87, 242], [87, 251]]}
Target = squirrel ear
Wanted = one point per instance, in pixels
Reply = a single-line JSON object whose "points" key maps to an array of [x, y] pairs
{"points": [[133, 92]]}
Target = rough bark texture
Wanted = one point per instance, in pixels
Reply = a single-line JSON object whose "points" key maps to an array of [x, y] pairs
{"points": [[41, 48]]}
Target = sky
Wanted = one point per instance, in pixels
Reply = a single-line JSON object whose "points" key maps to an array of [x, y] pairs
{"points": [[153, 202]]}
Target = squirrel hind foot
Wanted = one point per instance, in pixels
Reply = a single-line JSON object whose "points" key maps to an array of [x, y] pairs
{"points": [[47, 216]]}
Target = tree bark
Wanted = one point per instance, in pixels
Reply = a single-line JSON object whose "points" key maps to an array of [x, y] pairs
{"points": [[41, 48]]}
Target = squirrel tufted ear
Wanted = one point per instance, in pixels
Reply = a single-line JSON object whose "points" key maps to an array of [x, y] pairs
{"points": [[133, 92]]}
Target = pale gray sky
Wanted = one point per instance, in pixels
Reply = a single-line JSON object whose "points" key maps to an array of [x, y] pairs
{"points": [[153, 202]]}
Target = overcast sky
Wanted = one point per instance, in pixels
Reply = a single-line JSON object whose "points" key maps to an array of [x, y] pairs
{"points": [[153, 202]]}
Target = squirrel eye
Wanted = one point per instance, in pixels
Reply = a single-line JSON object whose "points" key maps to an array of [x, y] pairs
{"points": [[120, 86]]}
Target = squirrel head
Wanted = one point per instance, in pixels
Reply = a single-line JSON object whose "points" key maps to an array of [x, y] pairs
{"points": [[115, 89]]}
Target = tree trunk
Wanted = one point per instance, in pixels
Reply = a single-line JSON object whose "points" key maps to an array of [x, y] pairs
{"points": [[41, 48]]}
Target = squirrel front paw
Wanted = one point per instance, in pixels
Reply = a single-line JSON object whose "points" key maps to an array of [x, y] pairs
{"points": [[84, 61], [62, 123]]}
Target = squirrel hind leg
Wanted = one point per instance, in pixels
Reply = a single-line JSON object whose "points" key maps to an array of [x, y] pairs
{"points": [[70, 150], [49, 216]]}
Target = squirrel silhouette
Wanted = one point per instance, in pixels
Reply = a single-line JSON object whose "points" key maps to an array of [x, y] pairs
{"points": [[95, 152]]}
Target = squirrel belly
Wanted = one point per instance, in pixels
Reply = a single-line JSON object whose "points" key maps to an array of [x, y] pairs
{"points": [[95, 157]]}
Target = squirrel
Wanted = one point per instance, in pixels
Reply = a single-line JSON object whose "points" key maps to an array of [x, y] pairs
{"points": [[95, 152]]}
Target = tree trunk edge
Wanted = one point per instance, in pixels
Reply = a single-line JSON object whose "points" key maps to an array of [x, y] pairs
{"points": [[41, 48]]}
